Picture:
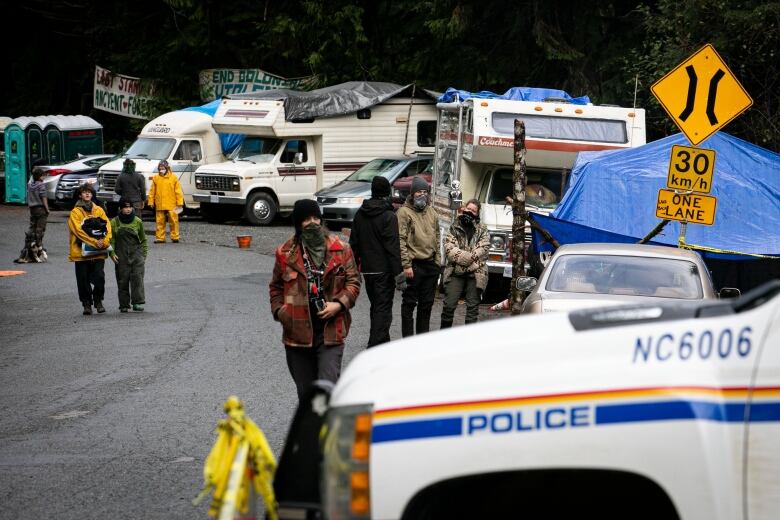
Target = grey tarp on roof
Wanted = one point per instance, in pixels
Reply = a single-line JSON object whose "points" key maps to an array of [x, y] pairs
{"points": [[336, 100]]}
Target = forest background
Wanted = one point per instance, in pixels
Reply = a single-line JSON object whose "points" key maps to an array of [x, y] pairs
{"points": [[611, 51]]}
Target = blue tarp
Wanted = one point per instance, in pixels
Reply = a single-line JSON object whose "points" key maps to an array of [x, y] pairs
{"points": [[515, 93], [229, 142], [615, 192]]}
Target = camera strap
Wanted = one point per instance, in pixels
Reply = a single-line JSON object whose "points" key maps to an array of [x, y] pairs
{"points": [[313, 276]]}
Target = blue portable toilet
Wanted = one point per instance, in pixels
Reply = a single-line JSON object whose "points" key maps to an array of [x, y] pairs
{"points": [[45, 140]]}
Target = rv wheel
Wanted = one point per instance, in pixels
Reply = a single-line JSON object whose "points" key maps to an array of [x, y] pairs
{"points": [[260, 209]]}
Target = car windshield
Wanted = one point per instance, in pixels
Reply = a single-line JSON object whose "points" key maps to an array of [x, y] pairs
{"points": [[150, 148], [542, 188], [256, 149], [370, 170], [627, 275]]}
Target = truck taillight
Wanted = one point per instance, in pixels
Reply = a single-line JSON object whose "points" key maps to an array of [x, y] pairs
{"points": [[346, 453]]}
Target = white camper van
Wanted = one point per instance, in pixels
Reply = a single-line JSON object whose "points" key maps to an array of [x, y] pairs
{"points": [[476, 148], [184, 138], [299, 142]]}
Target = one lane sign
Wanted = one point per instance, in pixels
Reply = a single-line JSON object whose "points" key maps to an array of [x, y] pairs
{"points": [[692, 208]]}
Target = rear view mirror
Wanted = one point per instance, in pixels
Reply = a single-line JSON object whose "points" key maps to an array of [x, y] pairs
{"points": [[729, 292], [298, 158]]}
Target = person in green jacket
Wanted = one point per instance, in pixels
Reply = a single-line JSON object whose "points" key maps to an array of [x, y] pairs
{"points": [[129, 254]]}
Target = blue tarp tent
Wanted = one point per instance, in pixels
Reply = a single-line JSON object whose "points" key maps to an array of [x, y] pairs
{"points": [[616, 192], [229, 142], [514, 93]]}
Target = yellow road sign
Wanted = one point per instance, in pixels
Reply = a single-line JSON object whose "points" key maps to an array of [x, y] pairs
{"points": [[691, 207], [690, 169], [701, 95]]}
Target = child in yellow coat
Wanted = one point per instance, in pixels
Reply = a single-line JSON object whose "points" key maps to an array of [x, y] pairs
{"points": [[168, 200]]}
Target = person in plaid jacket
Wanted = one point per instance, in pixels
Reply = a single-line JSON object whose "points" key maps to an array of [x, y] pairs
{"points": [[314, 284]]}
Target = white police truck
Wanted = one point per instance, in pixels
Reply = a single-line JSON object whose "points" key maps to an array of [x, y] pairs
{"points": [[659, 411]]}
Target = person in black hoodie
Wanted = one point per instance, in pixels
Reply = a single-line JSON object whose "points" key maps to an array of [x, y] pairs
{"points": [[374, 242]]}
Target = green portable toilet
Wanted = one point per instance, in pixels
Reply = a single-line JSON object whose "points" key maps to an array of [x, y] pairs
{"points": [[3, 123], [48, 139], [69, 136], [24, 145]]}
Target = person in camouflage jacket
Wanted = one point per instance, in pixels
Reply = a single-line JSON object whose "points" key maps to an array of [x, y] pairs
{"points": [[466, 248]]}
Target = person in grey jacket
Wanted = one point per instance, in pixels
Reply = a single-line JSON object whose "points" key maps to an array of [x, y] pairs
{"points": [[418, 237], [131, 185]]}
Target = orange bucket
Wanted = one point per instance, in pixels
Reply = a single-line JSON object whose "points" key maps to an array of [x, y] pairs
{"points": [[244, 241]]}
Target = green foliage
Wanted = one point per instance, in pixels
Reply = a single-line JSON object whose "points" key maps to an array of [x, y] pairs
{"points": [[601, 49]]}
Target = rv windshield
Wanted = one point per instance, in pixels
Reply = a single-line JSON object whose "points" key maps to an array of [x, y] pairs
{"points": [[151, 148], [370, 170], [542, 188], [256, 150]]}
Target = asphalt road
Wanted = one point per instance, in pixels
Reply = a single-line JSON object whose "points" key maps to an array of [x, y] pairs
{"points": [[112, 415]]}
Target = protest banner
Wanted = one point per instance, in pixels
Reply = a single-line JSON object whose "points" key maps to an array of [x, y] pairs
{"points": [[217, 83], [122, 95]]}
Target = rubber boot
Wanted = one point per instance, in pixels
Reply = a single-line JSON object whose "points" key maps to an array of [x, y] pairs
{"points": [[445, 324]]}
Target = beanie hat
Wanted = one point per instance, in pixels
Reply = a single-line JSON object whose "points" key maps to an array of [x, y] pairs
{"points": [[125, 203], [380, 187], [303, 209], [419, 183]]}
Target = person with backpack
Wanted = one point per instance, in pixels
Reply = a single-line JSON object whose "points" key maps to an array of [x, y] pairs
{"points": [[90, 237], [128, 241]]}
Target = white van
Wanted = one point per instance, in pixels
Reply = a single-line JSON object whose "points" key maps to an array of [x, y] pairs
{"points": [[299, 142], [184, 138]]}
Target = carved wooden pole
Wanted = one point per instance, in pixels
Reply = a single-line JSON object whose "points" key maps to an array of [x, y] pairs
{"points": [[518, 220]]}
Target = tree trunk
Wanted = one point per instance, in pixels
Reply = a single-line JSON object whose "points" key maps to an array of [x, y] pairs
{"points": [[518, 217]]}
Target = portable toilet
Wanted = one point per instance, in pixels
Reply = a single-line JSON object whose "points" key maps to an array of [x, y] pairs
{"points": [[30, 141], [3, 123], [69, 136]]}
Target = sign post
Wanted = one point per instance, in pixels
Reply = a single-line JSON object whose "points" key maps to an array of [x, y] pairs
{"points": [[701, 95]]}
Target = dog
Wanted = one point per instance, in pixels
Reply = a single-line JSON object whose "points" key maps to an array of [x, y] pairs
{"points": [[32, 252]]}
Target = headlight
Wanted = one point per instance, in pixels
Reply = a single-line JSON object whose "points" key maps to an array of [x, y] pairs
{"points": [[350, 200], [346, 450], [235, 182], [396, 194], [497, 242], [198, 181]]}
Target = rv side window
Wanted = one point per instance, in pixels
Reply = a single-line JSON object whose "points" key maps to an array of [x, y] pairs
{"points": [[291, 148], [564, 128], [188, 151], [426, 133]]}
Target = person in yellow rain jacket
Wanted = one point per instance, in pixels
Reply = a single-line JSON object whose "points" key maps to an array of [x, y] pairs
{"points": [[168, 200], [90, 274]]}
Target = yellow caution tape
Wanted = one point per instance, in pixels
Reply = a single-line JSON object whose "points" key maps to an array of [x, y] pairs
{"points": [[240, 455], [682, 244]]}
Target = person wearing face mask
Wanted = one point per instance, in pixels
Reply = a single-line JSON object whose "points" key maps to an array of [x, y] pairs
{"points": [[466, 249], [315, 282], [128, 241], [418, 233], [374, 242], [90, 274], [168, 200]]}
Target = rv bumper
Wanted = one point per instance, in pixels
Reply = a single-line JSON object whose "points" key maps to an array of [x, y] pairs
{"points": [[499, 268], [215, 198]]}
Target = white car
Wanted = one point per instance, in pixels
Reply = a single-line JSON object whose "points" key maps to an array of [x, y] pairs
{"points": [[665, 410], [85, 165], [598, 275]]}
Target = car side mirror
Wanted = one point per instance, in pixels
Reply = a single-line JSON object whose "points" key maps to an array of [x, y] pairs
{"points": [[298, 158], [456, 196], [195, 157], [525, 283], [729, 292]]}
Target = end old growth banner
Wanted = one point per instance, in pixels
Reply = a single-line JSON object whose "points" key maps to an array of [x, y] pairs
{"points": [[217, 83], [122, 95]]}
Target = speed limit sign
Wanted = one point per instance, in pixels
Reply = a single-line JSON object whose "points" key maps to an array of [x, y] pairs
{"points": [[691, 169]]}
